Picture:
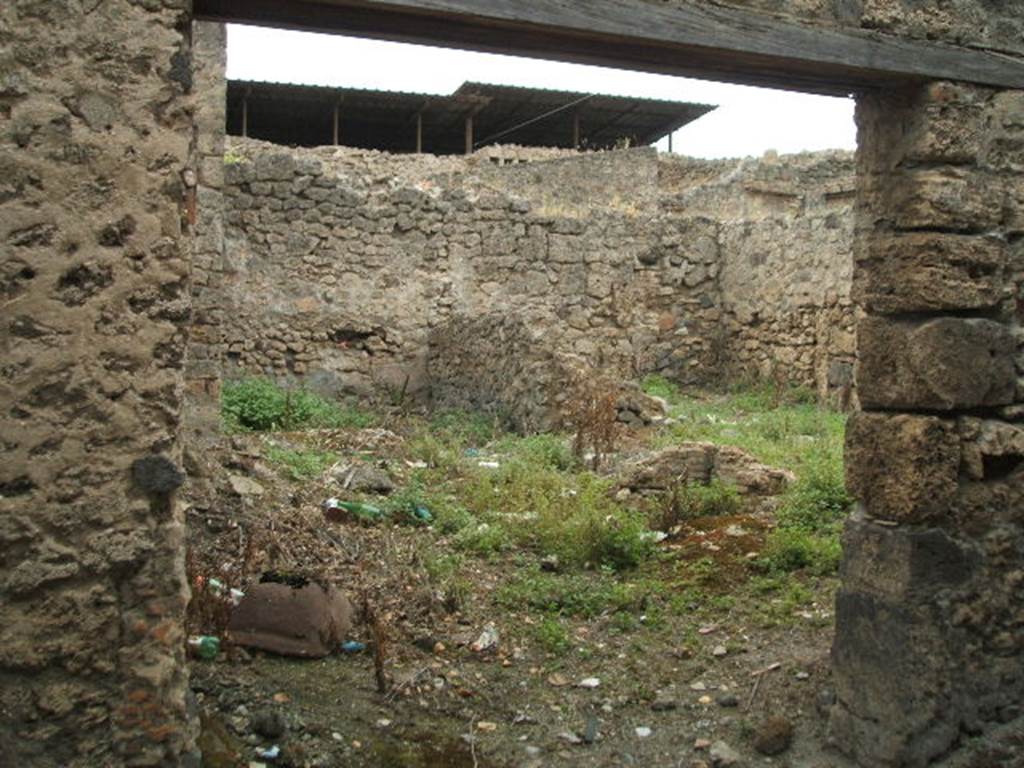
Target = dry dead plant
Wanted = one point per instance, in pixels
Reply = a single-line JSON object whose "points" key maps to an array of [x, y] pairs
{"points": [[593, 415]]}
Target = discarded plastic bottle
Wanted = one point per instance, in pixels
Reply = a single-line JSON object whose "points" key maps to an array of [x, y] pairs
{"points": [[364, 511], [205, 647], [422, 514], [272, 753], [353, 646], [217, 587]]}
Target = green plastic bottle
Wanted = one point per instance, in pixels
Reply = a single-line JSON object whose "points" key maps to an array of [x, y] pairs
{"points": [[205, 647], [364, 511]]}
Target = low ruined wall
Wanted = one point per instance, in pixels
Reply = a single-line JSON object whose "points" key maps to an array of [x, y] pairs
{"points": [[341, 263]]}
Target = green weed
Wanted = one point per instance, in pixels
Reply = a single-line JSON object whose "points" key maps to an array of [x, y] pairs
{"points": [[463, 428], [552, 636], [301, 464], [541, 451], [658, 386], [259, 404], [483, 539], [694, 500], [571, 594]]}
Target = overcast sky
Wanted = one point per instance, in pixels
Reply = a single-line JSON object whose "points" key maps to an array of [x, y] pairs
{"points": [[749, 121]]}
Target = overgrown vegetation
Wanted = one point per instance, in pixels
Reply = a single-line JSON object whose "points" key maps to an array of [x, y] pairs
{"points": [[492, 495], [690, 501], [258, 404], [810, 517]]}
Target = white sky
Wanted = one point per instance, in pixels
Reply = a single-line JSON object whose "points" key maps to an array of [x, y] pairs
{"points": [[749, 121]]}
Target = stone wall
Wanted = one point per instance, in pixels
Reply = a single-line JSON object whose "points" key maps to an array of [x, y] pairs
{"points": [[343, 263], [206, 211], [934, 556], [95, 135]]}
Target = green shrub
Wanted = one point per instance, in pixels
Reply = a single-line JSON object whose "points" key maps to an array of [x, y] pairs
{"points": [[791, 549], [552, 636], [261, 405], [693, 500], [483, 539]]}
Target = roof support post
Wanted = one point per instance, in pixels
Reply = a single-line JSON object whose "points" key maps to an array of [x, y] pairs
{"points": [[469, 134], [576, 129], [419, 133], [670, 143], [245, 114], [337, 121]]}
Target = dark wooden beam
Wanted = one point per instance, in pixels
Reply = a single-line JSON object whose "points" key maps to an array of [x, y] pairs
{"points": [[702, 41]]}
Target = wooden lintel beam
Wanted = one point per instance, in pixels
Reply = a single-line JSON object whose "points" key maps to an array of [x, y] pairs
{"points": [[705, 41]]}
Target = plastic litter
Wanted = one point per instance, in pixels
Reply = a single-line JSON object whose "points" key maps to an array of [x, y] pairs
{"points": [[360, 510], [422, 514], [353, 646], [205, 647], [219, 588], [489, 464], [272, 753]]}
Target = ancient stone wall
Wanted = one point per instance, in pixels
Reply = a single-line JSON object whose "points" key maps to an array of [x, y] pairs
{"points": [[344, 263], [206, 211], [934, 556], [94, 308]]}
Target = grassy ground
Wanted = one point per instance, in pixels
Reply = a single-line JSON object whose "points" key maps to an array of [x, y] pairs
{"points": [[578, 582], [492, 493]]}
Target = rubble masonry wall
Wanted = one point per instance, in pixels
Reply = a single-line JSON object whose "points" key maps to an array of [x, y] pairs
{"points": [[344, 265], [95, 133]]}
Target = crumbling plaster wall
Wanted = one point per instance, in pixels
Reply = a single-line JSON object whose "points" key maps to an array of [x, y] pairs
{"points": [[345, 264], [95, 133]]}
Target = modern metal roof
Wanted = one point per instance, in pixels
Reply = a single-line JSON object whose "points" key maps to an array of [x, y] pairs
{"points": [[304, 115]]}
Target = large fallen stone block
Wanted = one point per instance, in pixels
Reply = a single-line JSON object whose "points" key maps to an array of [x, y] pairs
{"points": [[310, 621], [701, 463]]}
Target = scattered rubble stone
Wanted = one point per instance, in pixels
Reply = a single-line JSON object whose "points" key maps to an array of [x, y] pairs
{"points": [[245, 486], [773, 736], [724, 756], [364, 478], [269, 723]]}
